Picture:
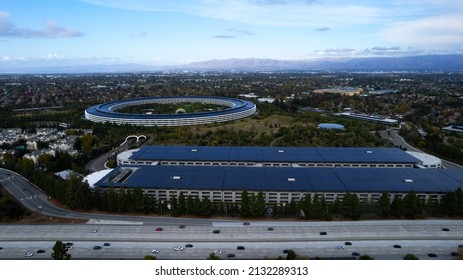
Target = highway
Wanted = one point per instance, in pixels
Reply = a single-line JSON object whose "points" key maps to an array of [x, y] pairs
{"points": [[132, 237], [374, 238]]}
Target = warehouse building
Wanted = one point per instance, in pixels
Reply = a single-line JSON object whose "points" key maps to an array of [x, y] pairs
{"points": [[281, 173]]}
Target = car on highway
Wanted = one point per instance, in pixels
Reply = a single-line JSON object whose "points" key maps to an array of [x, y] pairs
{"points": [[216, 231], [432, 255], [181, 226], [155, 251], [106, 244], [445, 229], [28, 254], [323, 233], [347, 243], [40, 251], [269, 229], [355, 254], [340, 247], [230, 255], [1, 248], [217, 252], [454, 254], [69, 245], [94, 230], [189, 245], [285, 251], [178, 248], [246, 224], [240, 248], [96, 247], [397, 246], [159, 229]]}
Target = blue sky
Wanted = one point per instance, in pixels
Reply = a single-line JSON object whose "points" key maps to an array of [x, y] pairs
{"points": [[156, 32]]}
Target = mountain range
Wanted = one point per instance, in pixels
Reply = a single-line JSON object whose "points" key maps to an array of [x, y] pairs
{"points": [[412, 63], [425, 63]]}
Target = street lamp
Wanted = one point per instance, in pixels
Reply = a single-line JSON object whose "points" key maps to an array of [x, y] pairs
{"points": [[162, 205]]}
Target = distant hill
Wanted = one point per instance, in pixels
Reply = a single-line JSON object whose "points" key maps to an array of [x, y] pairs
{"points": [[412, 63], [427, 63]]}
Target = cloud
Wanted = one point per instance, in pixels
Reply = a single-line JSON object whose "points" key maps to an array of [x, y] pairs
{"points": [[376, 51], [234, 33], [311, 13], [52, 30], [322, 29], [223, 37], [431, 32]]}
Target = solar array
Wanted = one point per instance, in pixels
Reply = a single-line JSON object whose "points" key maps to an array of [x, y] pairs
{"points": [[272, 154], [287, 179]]}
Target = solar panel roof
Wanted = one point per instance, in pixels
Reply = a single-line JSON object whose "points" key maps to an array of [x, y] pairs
{"points": [[273, 154], [287, 179]]}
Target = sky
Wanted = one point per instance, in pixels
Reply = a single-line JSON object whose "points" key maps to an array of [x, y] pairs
{"points": [[173, 32]]}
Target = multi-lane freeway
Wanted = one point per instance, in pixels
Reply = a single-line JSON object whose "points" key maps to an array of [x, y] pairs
{"points": [[132, 237]]}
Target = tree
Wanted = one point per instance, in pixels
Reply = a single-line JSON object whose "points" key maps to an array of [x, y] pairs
{"points": [[291, 255], [245, 210], [350, 207], [213, 256], [384, 205], [149, 257], [60, 251], [412, 205], [397, 207], [410, 257], [366, 257]]}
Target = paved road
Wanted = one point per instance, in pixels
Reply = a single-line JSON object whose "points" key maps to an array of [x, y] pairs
{"points": [[35, 200], [395, 139], [375, 238]]}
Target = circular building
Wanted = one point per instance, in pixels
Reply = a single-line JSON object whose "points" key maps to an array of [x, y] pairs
{"points": [[107, 112]]}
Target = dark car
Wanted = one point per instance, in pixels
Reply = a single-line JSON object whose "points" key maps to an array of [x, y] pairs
{"points": [[323, 233], [454, 254], [355, 254], [240, 248], [189, 245], [181, 226], [216, 231], [246, 224], [40, 251], [69, 244], [432, 255], [230, 255], [347, 243], [1, 248], [397, 246], [106, 244], [96, 247], [159, 229], [270, 229], [285, 251], [445, 229]]}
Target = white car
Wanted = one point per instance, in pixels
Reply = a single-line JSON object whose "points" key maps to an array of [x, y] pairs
{"points": [[178, 248], [217, 252], [155, 251], [29, 254], [339, 247]]}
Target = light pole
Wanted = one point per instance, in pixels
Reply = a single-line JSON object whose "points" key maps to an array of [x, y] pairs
{"points": [[162, 205]]}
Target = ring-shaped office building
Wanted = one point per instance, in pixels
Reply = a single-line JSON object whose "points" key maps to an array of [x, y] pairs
{"points": [[107, 112]]}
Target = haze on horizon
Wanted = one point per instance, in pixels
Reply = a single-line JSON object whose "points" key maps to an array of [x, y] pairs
{"points": [[84, 32]]}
